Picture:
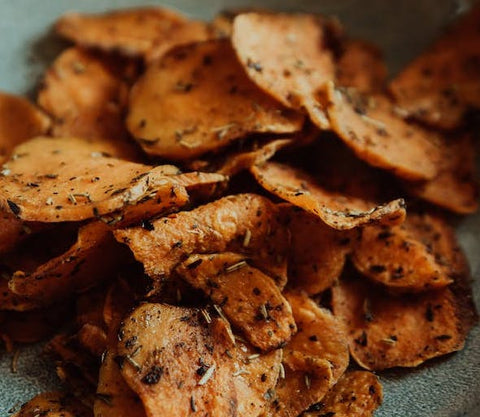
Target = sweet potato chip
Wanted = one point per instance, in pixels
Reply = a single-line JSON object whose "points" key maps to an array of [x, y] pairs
{"points": [[89, 307], [13, 231], [251, 300], [54, 404], [336, 209], [198, 99], [386, 331], [114, 397], [370, 127], [189, 370], [19, 120], [394, 257], [93, 339], [287, 56], [361, 66], [244, 223], [356, 394], [92, 259], [317, 251], [11, 301], [440, 85], [135, 32], [314, 359], [85, 98], [455, 187], [53, 179]]}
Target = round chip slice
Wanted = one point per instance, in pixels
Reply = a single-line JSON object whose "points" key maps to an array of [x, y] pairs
{"points": [[386, 331], [372, 129], [198, 99], [54, 404], [338, 210], [287, 56], [19, 120], [132, 31], [68, 179]]}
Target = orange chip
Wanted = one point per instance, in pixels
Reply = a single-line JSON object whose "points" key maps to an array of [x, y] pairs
{"points": [[13, 231], [53, 179], [11, 301], [89, 307], [114, 397], [197, 99], [91, 259], [386, 331], [222, 23], [337, 210], [396, 258], [93, 339], [207, 377], [19, 120], [245, 223], [314, 359], [142, 32], [54, 404], [86, 99], [250, 299], [440, 85], [361, 66], [377, 135], [287, 56], [317, 252], [455, 187], [356, 394]]}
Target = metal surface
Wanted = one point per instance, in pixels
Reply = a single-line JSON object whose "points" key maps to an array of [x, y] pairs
{"points": [[448, 387]]}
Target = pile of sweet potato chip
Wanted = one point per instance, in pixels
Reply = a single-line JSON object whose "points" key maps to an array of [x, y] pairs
{"points": [[227, 218]]}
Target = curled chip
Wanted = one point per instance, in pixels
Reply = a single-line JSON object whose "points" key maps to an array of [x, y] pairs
{"points": [[439, 86], [356, 394], [244, 223], [211, 364], [314, 360], [53, 180], [317, 251], [288, 56], [336, 209], [249, 299], [19, 120], [13, 231], [54, 404], [455, 187], [85, 99], [88, 262], [361, 66], [372, 129], [395, 257], [11, 301], [132, 31], [385, 331], [196, 99]]}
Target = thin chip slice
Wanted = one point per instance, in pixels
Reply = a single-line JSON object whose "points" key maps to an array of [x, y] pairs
{"points": [[188, 370], [133, 32], [314, 360], [198, 99], [377, 135], [114, 397], [93, 339], [287, 56], [455, 187], [362, 66], [19, 120], [336, 209], [317, 252], [245, 223], [67, 179], [440, 85], [386, 331], [13, 231], [85, 98], [88, 262], [11, 301], [356, 394], [394, 257], [250, 300], [54, 404]]}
